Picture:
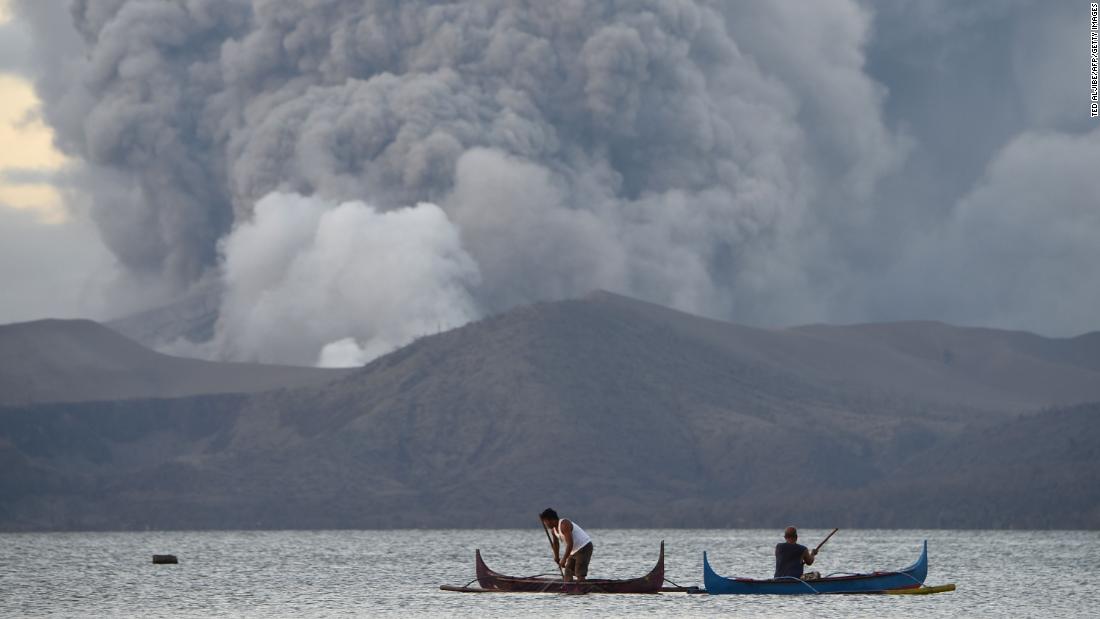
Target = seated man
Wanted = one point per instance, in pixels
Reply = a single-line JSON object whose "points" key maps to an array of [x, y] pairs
{"points": [[790, 556]]}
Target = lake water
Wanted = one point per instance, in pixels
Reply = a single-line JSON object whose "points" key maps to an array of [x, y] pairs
{"points": [[360, 573]]}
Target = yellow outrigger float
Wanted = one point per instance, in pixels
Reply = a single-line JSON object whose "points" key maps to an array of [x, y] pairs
{"points": [[922, 590]]}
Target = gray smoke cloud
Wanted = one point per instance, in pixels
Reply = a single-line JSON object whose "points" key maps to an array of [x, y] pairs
{"points": [[748, 161], [64, 282], [363, 281], [973, 228]]}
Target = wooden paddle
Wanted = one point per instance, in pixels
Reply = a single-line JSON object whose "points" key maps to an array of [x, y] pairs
{"points": [[551, 542], [825, 540]]}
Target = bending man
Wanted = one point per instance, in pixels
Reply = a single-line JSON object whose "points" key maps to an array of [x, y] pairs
{"points": [[574, 543]]}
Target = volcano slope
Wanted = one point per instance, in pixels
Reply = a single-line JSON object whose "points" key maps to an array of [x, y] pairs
{"points": [[622, 412]]}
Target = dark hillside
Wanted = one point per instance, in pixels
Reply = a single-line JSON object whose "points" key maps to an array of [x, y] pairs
{"points": [[626, 413], [80, 360]]}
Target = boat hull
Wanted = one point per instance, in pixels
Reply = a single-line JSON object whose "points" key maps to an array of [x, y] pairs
{"points": [[911, 577], [492, 581]]}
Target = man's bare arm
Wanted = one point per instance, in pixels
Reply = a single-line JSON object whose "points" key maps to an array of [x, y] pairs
{"points": [[566, 529]]}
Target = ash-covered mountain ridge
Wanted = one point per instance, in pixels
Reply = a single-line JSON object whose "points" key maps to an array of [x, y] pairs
{"points": [[80, 360], [623, 412]]}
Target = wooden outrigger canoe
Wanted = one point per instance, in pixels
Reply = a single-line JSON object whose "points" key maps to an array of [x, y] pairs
{"points": [[491, 581], [910, 578]]}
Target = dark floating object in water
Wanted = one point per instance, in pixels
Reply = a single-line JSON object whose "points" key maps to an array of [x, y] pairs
{"points": [[164, 559]]}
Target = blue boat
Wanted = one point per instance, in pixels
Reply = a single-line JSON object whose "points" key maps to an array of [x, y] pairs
{"points": [[911, 577]]}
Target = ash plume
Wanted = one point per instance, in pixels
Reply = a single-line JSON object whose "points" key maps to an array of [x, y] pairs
{"points": [[716, 157]]}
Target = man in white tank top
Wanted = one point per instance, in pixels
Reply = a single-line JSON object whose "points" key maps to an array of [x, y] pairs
{"points": [[572, 540]]}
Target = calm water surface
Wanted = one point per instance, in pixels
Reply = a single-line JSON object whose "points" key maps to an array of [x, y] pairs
{"points": [[361, 573]]}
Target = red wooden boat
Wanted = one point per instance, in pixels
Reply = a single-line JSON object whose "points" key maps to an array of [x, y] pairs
{"points": [[492, 581]]}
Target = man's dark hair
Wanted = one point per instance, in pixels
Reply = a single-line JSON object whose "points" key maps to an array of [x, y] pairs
{"points": [[548, 514]]}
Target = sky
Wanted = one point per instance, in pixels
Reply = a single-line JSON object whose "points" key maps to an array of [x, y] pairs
{"points": [[51, 259], [339, 177]]}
